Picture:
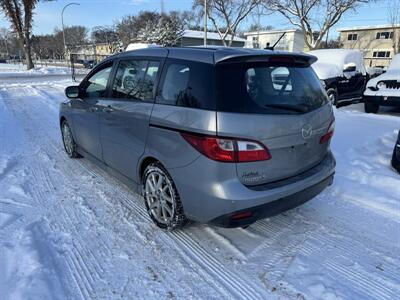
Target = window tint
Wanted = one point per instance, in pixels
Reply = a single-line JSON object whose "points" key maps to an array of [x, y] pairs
{"points": [[188, 84], [96, 85], [175, 83], [263, 88], [135, 79], [149, 81]]}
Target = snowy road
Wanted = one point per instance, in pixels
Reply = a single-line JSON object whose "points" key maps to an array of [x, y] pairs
{"points": [[70, 230]]}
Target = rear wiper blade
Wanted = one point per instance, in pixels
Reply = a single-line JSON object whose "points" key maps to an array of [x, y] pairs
{"points": [[297, 108]]}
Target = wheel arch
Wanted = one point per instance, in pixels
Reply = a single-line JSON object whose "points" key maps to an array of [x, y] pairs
{"points": [[144, 163], [62, 119]]}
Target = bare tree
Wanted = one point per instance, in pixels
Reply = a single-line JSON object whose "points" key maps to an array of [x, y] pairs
{"points": [[130, 26], [20, 14], [104, 34], [313, 17], [227, 15], [394, 19], [167, 31], [4, 38], [9, 44]]}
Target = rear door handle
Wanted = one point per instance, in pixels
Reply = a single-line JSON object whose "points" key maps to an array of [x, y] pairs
{"points": [[108, 109]]}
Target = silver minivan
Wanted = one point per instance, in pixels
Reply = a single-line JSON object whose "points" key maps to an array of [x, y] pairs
{"points": [[218, 135]]}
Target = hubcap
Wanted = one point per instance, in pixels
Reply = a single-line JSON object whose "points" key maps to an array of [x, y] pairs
{"points": [[332, 97], [159, 197], [67, 138]]}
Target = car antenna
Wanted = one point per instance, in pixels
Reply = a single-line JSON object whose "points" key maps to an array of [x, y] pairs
{"points": [[276, 43]]}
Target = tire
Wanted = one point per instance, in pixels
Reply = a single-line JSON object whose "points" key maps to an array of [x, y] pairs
{"points": [[68, 140], [333, 95], [395, 161], [371, 107], [161, 198]]}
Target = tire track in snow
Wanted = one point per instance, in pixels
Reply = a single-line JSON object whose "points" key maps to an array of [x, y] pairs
{"points": [[44, 185], [363, 283]]}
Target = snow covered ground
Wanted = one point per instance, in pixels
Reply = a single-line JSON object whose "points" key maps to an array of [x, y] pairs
{"points": [[19, 70], [70, 230]]}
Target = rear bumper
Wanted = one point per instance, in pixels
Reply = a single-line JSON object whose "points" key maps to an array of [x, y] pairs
{"points": [[275, 207], [383, 100], [212, 192]]}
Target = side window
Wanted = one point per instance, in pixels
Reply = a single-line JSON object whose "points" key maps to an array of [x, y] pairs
{"points": [[135, 79], [96, 85], [149, 80], [188, 84], [175, 83]]}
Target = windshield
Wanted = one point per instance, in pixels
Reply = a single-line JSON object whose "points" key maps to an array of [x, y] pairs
{"points": [[262, 88]]}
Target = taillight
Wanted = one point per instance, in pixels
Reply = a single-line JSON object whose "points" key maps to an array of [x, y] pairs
{"points": [[327, 136], [227, 149]]}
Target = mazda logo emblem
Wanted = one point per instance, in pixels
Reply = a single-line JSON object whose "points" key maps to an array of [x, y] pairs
{"points": [[307, 131]]}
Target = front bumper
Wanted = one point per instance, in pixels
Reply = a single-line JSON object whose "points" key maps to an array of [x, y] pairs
{"points": [[383, 100], [211, 192]]}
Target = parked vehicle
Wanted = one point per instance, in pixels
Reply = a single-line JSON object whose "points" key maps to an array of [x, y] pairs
{"points": [[384, 90], [3, 61], [396, 154], [137, 46], [343, 73], [89, 64], [375, 71], [215, 135]]}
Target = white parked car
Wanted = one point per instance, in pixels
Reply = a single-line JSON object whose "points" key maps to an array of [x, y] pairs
{"points": [[384, 90], [137, 46], [343, 73]]}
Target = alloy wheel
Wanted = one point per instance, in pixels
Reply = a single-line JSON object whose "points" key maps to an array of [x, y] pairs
{"points": [[67, 138], [159, 196]]}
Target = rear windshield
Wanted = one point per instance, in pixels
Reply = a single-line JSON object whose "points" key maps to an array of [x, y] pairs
{"points": [[265, 88]]}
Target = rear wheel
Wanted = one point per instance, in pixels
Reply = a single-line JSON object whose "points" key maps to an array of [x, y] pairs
{"points": [[68, 140], [162, 199], [371, 107], [332, 95]]}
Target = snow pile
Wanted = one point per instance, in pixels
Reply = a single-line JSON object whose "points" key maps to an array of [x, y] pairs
{"points": [[331, 62], [19, 70], [393, 73], [395, 63]]}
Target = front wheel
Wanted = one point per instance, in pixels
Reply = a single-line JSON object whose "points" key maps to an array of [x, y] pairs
{"points": [[162, 199], [371, 107], [68, 140]]}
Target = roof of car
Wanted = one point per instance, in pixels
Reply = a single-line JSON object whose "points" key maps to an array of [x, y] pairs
{"points": [[209, 54]]}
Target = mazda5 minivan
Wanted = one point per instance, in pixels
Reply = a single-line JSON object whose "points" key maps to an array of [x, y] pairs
{"points": [[216, 135]]}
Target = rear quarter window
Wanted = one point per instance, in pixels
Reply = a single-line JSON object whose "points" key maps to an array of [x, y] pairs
{"points": [[187, 84]]}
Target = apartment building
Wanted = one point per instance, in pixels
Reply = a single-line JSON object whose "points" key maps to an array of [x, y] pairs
{"points": [[293, 40], [378, 43]]}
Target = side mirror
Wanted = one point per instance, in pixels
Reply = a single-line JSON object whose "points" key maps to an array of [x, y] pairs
{"points": [[351, 67], [72, 92]]}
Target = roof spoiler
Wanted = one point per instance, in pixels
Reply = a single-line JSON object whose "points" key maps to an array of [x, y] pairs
{"points": [[274, 57]]}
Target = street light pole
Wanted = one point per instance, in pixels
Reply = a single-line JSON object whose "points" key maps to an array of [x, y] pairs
{"points": [[205, 22], [63, 27]]}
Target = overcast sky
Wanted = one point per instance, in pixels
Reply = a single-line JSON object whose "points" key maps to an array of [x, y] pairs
{"points": [[92, 13]]}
